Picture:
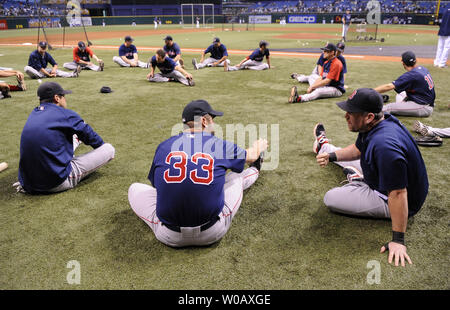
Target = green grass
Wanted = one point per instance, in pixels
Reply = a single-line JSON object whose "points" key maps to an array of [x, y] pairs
{"points": [[283, 236]]}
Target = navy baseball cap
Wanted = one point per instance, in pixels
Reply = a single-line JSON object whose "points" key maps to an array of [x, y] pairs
{"points": [[340, 46], [81, 45], [43, 44], [168, 38], [198, 108], [409, 58], [49, 89], [265, 43], [216, 40], [363, 100], [128, 38], [329, 47]]}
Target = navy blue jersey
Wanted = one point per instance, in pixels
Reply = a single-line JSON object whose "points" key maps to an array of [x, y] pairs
{"points": [[188, 172], [444, 29], [167, 66], [257, 55], [217, 52], [390, 160], [46, 146], [127, 51], [418, 85], [348, 18], [322, 60], [38, 61], [172, 51], [332, 69]]}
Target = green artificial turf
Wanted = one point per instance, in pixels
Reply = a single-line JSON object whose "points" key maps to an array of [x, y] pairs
{"points": [[283, 236]]}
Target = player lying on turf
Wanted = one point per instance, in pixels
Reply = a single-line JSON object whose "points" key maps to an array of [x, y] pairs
{"points": [[415, 90], [47, 163], [331, 82], [5, 88], [170, 71], [384, 167], [128, 55], [192, 200], [219, 55], [37, 65], [318, 69], [81, 57], [254, 60]]}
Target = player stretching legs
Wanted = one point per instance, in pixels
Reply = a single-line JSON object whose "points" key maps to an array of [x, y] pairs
{"points": [[254, 61], [219, 56], [393, 183], [415, 90], [170, 71], [331, 83], [192, 201]]}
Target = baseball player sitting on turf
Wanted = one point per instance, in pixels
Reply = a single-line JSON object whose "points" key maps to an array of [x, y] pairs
{"points": [[5, 88], [170, 71], [415, 90], [219, 55], [318, 69], [385, 170], [192, 200], [254, 61], [128, 55], [331, 81], [173, 50], [81, 57], [37, 65], [47, 163]]}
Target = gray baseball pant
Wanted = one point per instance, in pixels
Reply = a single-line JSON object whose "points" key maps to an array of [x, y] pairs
{"points": [[250, 64], [441, 132], [321, 92], [34, 74], [73, 65], [142, 198], [84, 165], [309, 78], [355, 198], [165, 77], [118, 60], [407, 108], [345, 30], [210, 61]]}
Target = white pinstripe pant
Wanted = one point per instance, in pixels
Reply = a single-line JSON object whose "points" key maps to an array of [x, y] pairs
{"points": [[142, 198]]}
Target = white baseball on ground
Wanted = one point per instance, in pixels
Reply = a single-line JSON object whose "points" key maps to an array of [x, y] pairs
{"points": [[39, 81]]}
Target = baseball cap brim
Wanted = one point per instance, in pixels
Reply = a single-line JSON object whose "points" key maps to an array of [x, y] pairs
{"points": [[344, 105], [215, 113]]}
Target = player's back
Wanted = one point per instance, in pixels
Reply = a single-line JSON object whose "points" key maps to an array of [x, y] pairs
{"points": [[188, 172]]}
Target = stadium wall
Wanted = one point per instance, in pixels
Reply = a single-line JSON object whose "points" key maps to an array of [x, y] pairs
{"points": [[24, 22]]}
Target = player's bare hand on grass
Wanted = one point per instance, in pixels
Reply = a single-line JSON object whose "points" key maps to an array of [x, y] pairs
{"points": [[397, 252], [323, 159], [189, 76], [149, 76]]}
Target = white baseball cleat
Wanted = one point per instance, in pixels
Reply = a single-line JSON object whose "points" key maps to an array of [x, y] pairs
{"points": [[422, 129], [320, 137], [353, 174], [194, 63]]}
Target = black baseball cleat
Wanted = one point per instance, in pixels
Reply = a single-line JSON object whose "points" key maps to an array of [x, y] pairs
{"points": [[294, 97], [385, 98], [294, 76], [320, 137], [353, 174], [257, 163], [191, 82], [21, 84], [101, 65], [77, 71]]}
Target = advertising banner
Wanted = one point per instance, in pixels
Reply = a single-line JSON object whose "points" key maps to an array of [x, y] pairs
{"points": [[302, 19], [46, 22], [260, 19]]}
